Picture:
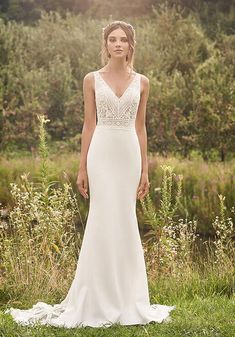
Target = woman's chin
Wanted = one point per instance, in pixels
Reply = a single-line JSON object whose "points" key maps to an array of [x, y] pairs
{"points": [[118, 56]]}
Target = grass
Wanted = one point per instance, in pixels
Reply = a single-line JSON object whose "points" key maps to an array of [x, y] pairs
{"points": [[202, 182], [35, 268], [205, 306], [193, 317]]}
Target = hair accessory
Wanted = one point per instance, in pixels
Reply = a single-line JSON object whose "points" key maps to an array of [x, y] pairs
{"points": [[118, 22]]}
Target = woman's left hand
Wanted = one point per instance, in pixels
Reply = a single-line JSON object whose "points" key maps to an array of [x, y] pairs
{"points": [[143, 188]]}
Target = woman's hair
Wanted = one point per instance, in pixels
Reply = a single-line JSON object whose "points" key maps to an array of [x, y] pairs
{"points": [[130, 33]]}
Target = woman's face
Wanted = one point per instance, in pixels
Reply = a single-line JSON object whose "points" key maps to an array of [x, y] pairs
{"points": [[117, 43]]}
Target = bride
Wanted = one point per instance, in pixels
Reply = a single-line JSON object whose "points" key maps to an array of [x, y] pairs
{"points": [[110, 284]]}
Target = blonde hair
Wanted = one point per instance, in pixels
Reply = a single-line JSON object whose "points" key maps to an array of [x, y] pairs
{"points": [[130, 33]]}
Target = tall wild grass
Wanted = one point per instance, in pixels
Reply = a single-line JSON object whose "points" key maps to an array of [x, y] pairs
{"points": [[39, 244]]}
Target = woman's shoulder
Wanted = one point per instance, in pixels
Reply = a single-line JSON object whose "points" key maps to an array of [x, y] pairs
{"points": [[144, 79], [88, 80], [90, 76]]}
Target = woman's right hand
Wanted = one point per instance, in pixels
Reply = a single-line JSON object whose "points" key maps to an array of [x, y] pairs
{"points": [[82, 183]]}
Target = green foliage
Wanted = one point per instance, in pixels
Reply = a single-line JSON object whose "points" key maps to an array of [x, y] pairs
{"points": [[167, 208], [191, 103], [224, 233], [214, 98], [40, 234], [202, 182], [172, 249], [43, 152], [171, 239], [39, 249]]}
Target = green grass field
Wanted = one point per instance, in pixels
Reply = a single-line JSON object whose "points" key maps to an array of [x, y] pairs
{"points": [[37, 267], [193, 317]]}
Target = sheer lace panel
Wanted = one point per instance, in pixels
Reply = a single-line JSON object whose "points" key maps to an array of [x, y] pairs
{"points": [[113, 110]]}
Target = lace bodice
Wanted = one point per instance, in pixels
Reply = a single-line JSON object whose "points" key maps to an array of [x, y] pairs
{"points": [[113, 110]]}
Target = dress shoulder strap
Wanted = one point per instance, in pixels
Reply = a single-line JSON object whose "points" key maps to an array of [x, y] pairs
{"points": [[94, 73], [139, 80], [95, 77]]}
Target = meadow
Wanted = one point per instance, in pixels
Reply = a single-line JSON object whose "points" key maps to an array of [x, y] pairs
{"points": [[35, 267], [186, 223]]}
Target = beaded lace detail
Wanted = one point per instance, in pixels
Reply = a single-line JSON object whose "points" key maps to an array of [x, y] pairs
{"points": [[113, 110]]}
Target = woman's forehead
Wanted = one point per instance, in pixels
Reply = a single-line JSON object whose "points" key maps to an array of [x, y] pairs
{"points": [[117, 32]]}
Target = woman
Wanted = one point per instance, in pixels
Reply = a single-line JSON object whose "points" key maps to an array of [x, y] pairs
{"points": [[110, 284]]}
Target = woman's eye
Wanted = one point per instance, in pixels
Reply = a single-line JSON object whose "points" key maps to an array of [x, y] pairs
{"points": [[113, 40]]}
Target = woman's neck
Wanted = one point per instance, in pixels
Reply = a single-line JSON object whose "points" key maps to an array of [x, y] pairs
{"points": [[118, 66]]}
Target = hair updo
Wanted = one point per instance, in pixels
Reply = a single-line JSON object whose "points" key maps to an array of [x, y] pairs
{"points": [[130, 33]]}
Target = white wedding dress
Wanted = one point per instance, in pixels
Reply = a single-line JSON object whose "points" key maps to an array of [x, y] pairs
{"points": [[110, 283]]}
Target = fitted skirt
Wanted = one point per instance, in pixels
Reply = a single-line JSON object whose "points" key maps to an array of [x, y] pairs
{"points": [[110, 283]]}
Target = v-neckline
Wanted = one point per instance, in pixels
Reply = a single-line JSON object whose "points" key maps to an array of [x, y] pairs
{"points": [[112, 89]]}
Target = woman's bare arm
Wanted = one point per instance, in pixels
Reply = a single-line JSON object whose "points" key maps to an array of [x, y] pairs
{"points": [[140, 125], [89, 117], [87, 131]]}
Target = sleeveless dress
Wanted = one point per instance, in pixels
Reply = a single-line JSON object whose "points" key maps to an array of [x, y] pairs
{"points": [[110, 283]]}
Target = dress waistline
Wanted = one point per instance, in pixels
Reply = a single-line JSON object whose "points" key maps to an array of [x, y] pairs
{"points": [[115, 127]]}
